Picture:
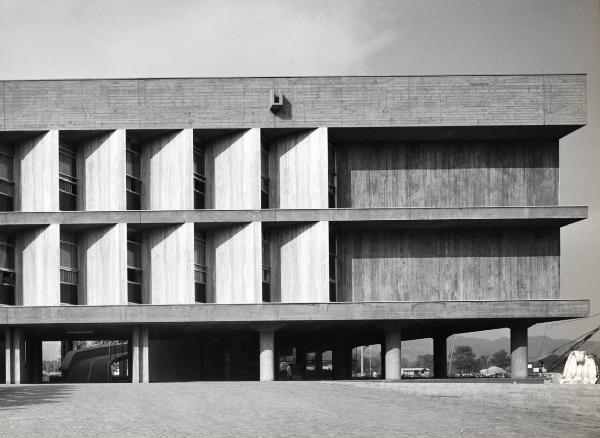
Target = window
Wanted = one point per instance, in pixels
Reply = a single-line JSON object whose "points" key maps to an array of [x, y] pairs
{"points": [[7, 181], [134, 266], [67, 177], [199, 178], [264, 178], [332, 266], [266, 268], [68, 268], [7, 269], [134, 175], [200, 267], [332, 176]]}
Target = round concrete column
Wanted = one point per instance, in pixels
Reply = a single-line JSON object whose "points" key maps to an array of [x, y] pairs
{"points": [[440, 357], [393, 340], [518, 351], [267, 355]]}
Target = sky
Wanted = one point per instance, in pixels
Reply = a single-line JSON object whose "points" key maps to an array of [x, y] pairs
{"points": [[151, 38]]}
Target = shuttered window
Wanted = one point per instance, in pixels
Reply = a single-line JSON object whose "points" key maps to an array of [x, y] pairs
{"points": [[200, 270], [7, 269], [67, 178], [69, 271]]}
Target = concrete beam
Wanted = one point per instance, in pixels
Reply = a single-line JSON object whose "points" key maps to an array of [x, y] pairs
{"points": [[367, 217], [447, 311]]}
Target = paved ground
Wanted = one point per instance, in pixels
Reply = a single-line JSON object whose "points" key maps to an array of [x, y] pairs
{"points": [[294, 409]]}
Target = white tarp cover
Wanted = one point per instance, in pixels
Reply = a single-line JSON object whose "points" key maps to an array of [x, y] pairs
{"points": [[492, 371], [579, 368]]}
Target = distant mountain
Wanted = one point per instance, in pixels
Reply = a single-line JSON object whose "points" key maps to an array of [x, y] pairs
{"points": [[538, 346]]}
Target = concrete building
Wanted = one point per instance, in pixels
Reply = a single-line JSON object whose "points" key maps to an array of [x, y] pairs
{"points": [[225, 226]]}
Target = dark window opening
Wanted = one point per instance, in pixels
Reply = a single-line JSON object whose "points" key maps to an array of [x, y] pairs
{"points": [[67, 177], [332, 176], [332, 266], [69, 271], [266, 268], [133, 175], [7, 181], [7, 269], [199, 178], [134, 266], [200, 271], [264, 178]]}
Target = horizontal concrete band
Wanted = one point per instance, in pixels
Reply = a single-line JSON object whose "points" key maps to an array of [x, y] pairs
{"points": [[307, 102], [411, 217], [280, 312]]}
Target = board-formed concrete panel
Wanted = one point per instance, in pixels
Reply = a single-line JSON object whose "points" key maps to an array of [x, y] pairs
{"points": [[299, 170], [102, 185], [167, 172], [300, 263], [234, 264], [36, 173], [103, 279], [233, 171], [37, 254], [309, 102], [168, 265]]}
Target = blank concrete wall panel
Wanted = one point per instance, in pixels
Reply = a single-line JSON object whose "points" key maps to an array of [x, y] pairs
{"points": [[301, 271], [171, 259], [37, 252], [299, 171], [237, 263], [447, 174], [105, 268], [314, 101], [103, 181], [36, 173], [167, 172], [467, 264], [233, 171]]}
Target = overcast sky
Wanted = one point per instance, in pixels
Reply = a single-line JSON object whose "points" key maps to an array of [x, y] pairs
{"points": [[150, 38]]}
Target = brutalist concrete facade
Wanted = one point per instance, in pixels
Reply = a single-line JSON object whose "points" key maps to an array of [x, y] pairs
{"points": [[240, 220]]}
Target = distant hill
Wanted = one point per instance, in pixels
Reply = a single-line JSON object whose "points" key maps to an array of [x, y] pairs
{"points": [[538, 346]]}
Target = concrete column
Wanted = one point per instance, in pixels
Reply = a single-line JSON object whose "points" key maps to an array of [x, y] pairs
{"points": [[18, 363], [518, 351], [440, 357], [8, 355], [36, 360], [318, 362], [267, 355], [393, 338], [301, 360], [135, 355], [341, 361], [144, 365]]}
